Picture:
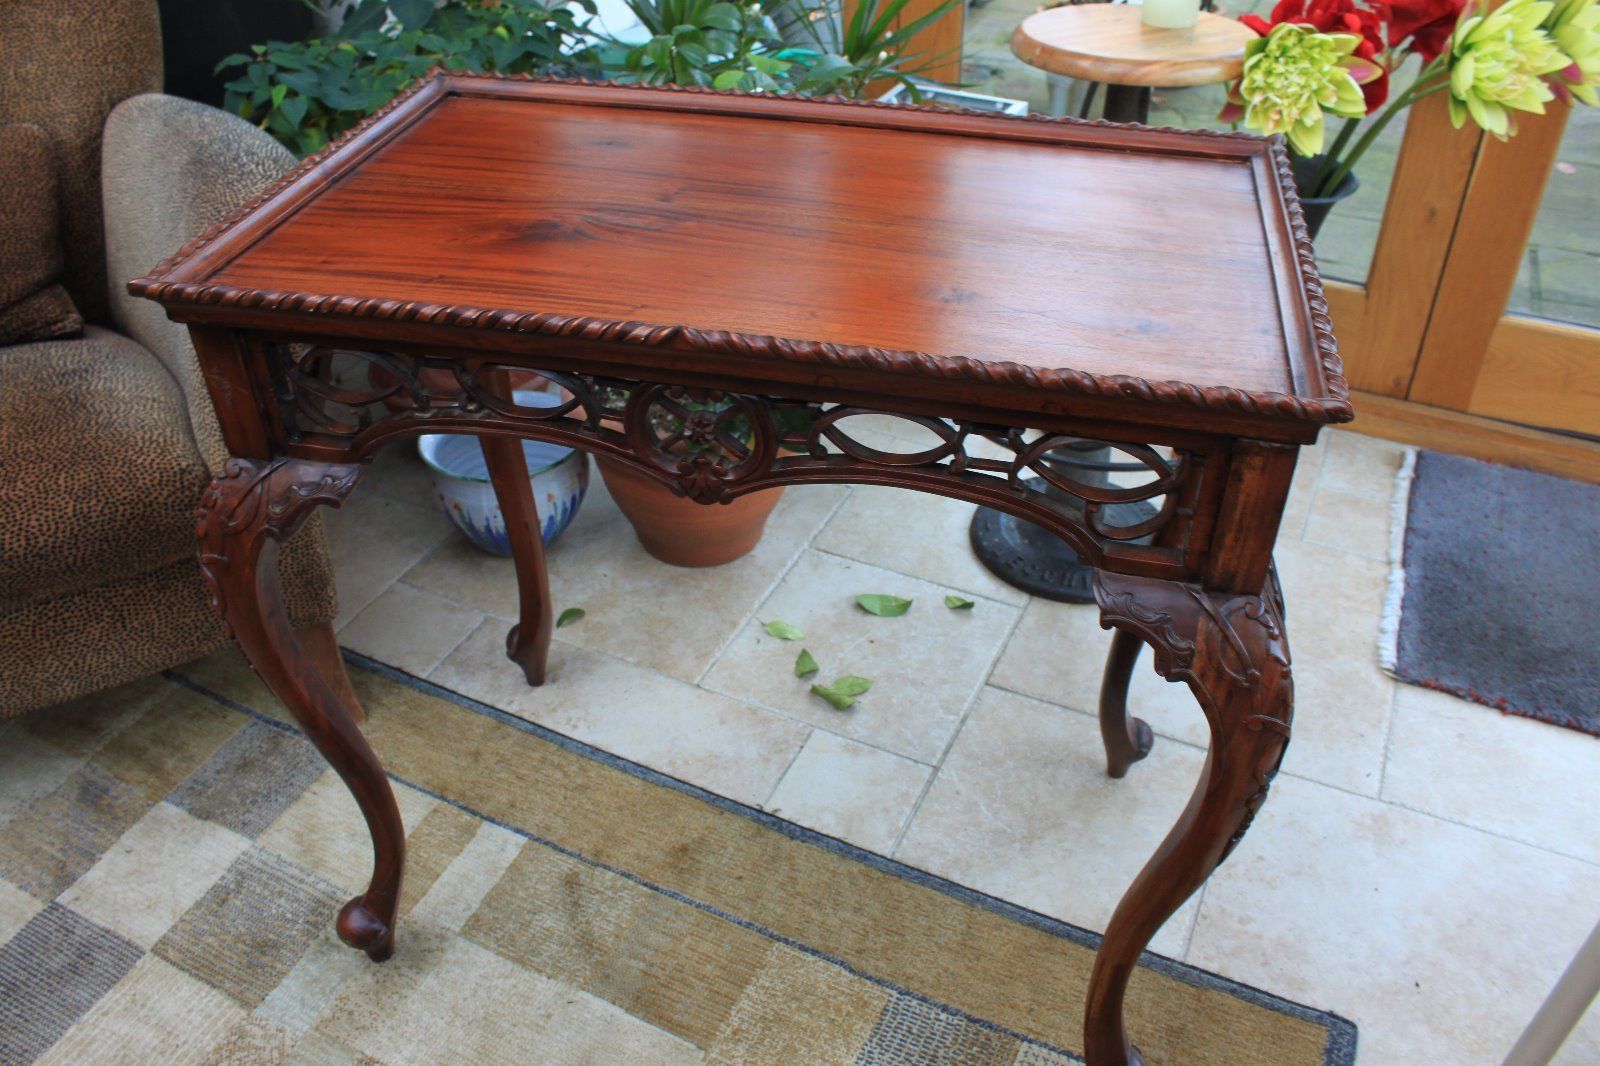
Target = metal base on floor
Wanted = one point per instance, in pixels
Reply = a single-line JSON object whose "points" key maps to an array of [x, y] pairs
{"points": [[1033, 559]]}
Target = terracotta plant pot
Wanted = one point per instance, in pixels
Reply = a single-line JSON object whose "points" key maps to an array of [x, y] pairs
{"points": [[679, 531]]}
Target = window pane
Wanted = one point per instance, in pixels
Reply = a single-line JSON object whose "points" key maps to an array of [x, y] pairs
{"points": [[1560, 273]]}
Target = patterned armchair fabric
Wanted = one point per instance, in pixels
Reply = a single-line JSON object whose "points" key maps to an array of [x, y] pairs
{"points": [[107, 439]]}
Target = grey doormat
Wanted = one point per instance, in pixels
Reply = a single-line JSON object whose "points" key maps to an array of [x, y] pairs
{"points": [[1496, 588]]}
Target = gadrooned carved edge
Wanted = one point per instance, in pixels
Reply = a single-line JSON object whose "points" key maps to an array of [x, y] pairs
{"points": [[1330, 409], [1311, 280]]}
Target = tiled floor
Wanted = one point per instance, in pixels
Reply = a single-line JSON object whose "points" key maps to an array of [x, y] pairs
{"points": [[1424, 866]]}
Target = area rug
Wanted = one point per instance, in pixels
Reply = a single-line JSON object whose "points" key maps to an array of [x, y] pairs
{"points": [[1495, 587], [172, 856]]}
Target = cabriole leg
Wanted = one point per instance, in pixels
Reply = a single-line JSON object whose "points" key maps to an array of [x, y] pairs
{"points": [[1233, 652], [528, 643], [243, 517], [1127, 740]]}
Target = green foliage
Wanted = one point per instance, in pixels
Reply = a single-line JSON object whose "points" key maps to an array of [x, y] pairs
{"points": [[783, 630], [805, 665], [868, 48], [706, 42], [740, 46], [841, 695], [882, 605], [306, 93]]}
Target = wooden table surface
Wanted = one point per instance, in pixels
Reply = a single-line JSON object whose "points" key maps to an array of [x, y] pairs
{"points": [[1108, 43], [1135, 253]]}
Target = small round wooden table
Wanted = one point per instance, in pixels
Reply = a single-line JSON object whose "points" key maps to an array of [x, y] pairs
{"points": [[1108, 43]]}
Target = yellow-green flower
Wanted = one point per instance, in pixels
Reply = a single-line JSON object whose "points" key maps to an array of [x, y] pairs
{"points": [[1295, 76], [1575, 27], [1498, 63]]}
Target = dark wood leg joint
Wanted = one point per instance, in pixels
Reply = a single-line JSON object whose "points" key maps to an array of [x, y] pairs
{"points": [[1233, 652], [243, 517]]}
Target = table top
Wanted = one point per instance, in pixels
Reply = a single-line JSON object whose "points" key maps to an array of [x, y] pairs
{"points": [[1109, 43], [1125, 265]]}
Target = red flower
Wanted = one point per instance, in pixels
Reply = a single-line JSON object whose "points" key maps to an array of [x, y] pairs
{"points": [[1428, 23], [1341, 16]]}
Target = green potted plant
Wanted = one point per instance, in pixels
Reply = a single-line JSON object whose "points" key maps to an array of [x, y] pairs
{"points": [[1317, 58], [306, 93]]}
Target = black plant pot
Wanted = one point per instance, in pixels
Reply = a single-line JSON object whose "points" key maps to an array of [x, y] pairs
{"points": [[1306, 169]]}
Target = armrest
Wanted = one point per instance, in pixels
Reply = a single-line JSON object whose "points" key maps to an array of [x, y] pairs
{"points": [[172, 167]]}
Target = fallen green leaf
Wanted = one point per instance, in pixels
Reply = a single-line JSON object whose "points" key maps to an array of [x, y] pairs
{"points": [[783, 630], [958, 603], [569, 616], [805, 666], [883, 606], [843, 692]]}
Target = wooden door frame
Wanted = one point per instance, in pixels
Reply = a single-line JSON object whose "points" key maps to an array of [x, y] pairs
{"points": [[1430, 325]]}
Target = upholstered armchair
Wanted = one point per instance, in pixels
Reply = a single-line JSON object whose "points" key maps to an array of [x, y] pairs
{"points": [[107, 434]]}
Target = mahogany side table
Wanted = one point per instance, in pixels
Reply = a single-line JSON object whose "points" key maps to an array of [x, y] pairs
{"points": [[719, 283]]}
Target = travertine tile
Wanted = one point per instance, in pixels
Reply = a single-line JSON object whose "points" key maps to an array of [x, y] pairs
{"points": [[157, 1013], [1298, 506], [1358, 465], [154, 873], [850, 791], [409, 628], [1022, 809], [1437, 940], [1444, 752], [913, 533], [1350, 523], [1058, 655], [925, 665], [375, 539], [398, 472], [669, 618], [1342, 698], [670, 725]]}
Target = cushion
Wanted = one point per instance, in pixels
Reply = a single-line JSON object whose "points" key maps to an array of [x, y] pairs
{"points": [[33, 304], [65, 65], [100, 473]]}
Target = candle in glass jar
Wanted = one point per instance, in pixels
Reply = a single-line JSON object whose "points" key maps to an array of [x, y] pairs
{"points": [[1171, 14]]}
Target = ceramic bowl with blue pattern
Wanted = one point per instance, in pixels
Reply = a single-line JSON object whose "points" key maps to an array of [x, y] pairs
{"points": [[461, 483]]}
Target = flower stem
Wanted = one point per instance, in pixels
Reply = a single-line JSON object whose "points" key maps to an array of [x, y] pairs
{"points": [[1428, 82], [1331, 159]]}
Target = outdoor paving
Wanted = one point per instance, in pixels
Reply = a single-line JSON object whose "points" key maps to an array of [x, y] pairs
{"points": [[1425, 866], [1560, 273]]}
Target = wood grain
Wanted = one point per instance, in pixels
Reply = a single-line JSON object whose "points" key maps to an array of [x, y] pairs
{"points": [[1479, 437], [1109, 43], [591, 207], [1419, 220], [1497, 217], [1541, 373]]}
